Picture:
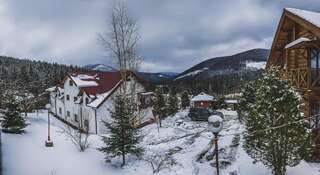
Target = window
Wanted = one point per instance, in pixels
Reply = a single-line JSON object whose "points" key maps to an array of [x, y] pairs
{"points": [[68, 113], [315, 58], [87, 100], [86, 123], [315, 112], [68, 97], [76, 118], [74, 99], [70, 83], [60, 111]]}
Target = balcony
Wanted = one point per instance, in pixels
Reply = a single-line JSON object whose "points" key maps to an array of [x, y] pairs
{"points": [[303, 78]]}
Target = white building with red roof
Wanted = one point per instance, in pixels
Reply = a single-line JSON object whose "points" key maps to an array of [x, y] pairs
{"points": [[84, 100]]}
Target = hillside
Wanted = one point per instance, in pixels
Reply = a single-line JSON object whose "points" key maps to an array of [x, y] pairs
{"points": [[249, 60], [159, 77], [223, 75], [29, 75]]}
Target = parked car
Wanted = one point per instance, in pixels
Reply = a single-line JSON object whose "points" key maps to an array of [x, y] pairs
{"points": [[202, 114]]}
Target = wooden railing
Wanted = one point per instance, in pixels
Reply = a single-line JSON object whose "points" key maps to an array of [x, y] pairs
{"points": [[298, 77], [303, 78]]}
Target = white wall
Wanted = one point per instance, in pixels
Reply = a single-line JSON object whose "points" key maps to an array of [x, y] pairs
{"points": [[70, 105], [85, 112]]}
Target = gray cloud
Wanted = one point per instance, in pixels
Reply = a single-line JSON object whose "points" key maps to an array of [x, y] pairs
{"points": [[174, 34]]}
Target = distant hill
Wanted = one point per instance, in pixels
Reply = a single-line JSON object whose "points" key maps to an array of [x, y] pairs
{"points": [[250, 60], [158, 78], [153, 78], [223, 75], [100, 67]]}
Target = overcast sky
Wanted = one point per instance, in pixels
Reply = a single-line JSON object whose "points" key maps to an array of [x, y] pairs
{"points": [[175, 34]]}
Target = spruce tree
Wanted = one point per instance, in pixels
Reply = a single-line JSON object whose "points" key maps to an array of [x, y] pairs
{"points": [[185, 101], [275, 133], [246, 100], [159, 107], [172, 104], [123, 138], [12, 121]]}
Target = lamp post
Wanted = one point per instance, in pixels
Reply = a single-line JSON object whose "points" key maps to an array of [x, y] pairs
{"points": [[49, 142], [215, 126]]}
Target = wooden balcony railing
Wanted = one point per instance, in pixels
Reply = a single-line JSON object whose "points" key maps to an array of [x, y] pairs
{"points": [[298, 77], [303, 78]]}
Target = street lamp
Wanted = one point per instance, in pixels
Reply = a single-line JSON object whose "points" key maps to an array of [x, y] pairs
{"points": [[49, 142], [215, 126]]}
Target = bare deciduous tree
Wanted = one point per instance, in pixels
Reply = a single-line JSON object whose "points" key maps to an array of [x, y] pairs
{"points": [[77, 137], [159, 162], [121, 41]]}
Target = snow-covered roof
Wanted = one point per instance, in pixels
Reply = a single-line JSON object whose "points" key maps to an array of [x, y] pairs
{"points": [[231, 101], [61, 90], [51, 89], [83, 80], [297, 41], [312, 17], [100, 98], [203, 97], [146, 93]]}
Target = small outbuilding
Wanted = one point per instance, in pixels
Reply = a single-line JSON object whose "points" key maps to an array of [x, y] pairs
{"points": [[202, 100], [232, 104]]}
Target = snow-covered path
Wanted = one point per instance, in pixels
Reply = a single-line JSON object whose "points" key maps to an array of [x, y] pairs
{"points": [[179, 140]]}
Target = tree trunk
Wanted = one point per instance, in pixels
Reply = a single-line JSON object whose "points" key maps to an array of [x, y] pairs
{"points": [[279, 170], [123, 159]]}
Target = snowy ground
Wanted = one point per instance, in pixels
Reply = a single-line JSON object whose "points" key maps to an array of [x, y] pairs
{"points": [[178, 144]]}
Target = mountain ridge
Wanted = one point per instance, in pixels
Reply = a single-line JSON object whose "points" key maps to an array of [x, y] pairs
{"points": [[226, 64]]}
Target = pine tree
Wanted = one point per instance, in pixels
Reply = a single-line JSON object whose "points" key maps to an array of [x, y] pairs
{"points": [[12, 121], [185, 101], [159, 107], [123, 138], [172, 104], [275, 132], [246, 100]]}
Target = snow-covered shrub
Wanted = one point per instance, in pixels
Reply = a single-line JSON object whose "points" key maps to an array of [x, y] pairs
{"points": [[78, 138]]}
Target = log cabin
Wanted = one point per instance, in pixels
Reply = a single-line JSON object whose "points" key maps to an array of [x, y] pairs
{"points": [[296, 50]]}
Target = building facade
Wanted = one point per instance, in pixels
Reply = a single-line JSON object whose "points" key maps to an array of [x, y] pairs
{"points": [[84, 100], [296, 51], [202, 100]]}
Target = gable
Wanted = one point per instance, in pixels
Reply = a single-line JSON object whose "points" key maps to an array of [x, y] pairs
{"points": [[100, 98], [293, 24]]}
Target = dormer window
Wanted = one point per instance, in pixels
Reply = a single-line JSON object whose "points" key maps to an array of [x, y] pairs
{"points": [[71, 83], [68, 97]]}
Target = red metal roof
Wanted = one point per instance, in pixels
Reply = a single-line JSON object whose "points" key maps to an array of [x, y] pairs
{"points": [[106, 81]]}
